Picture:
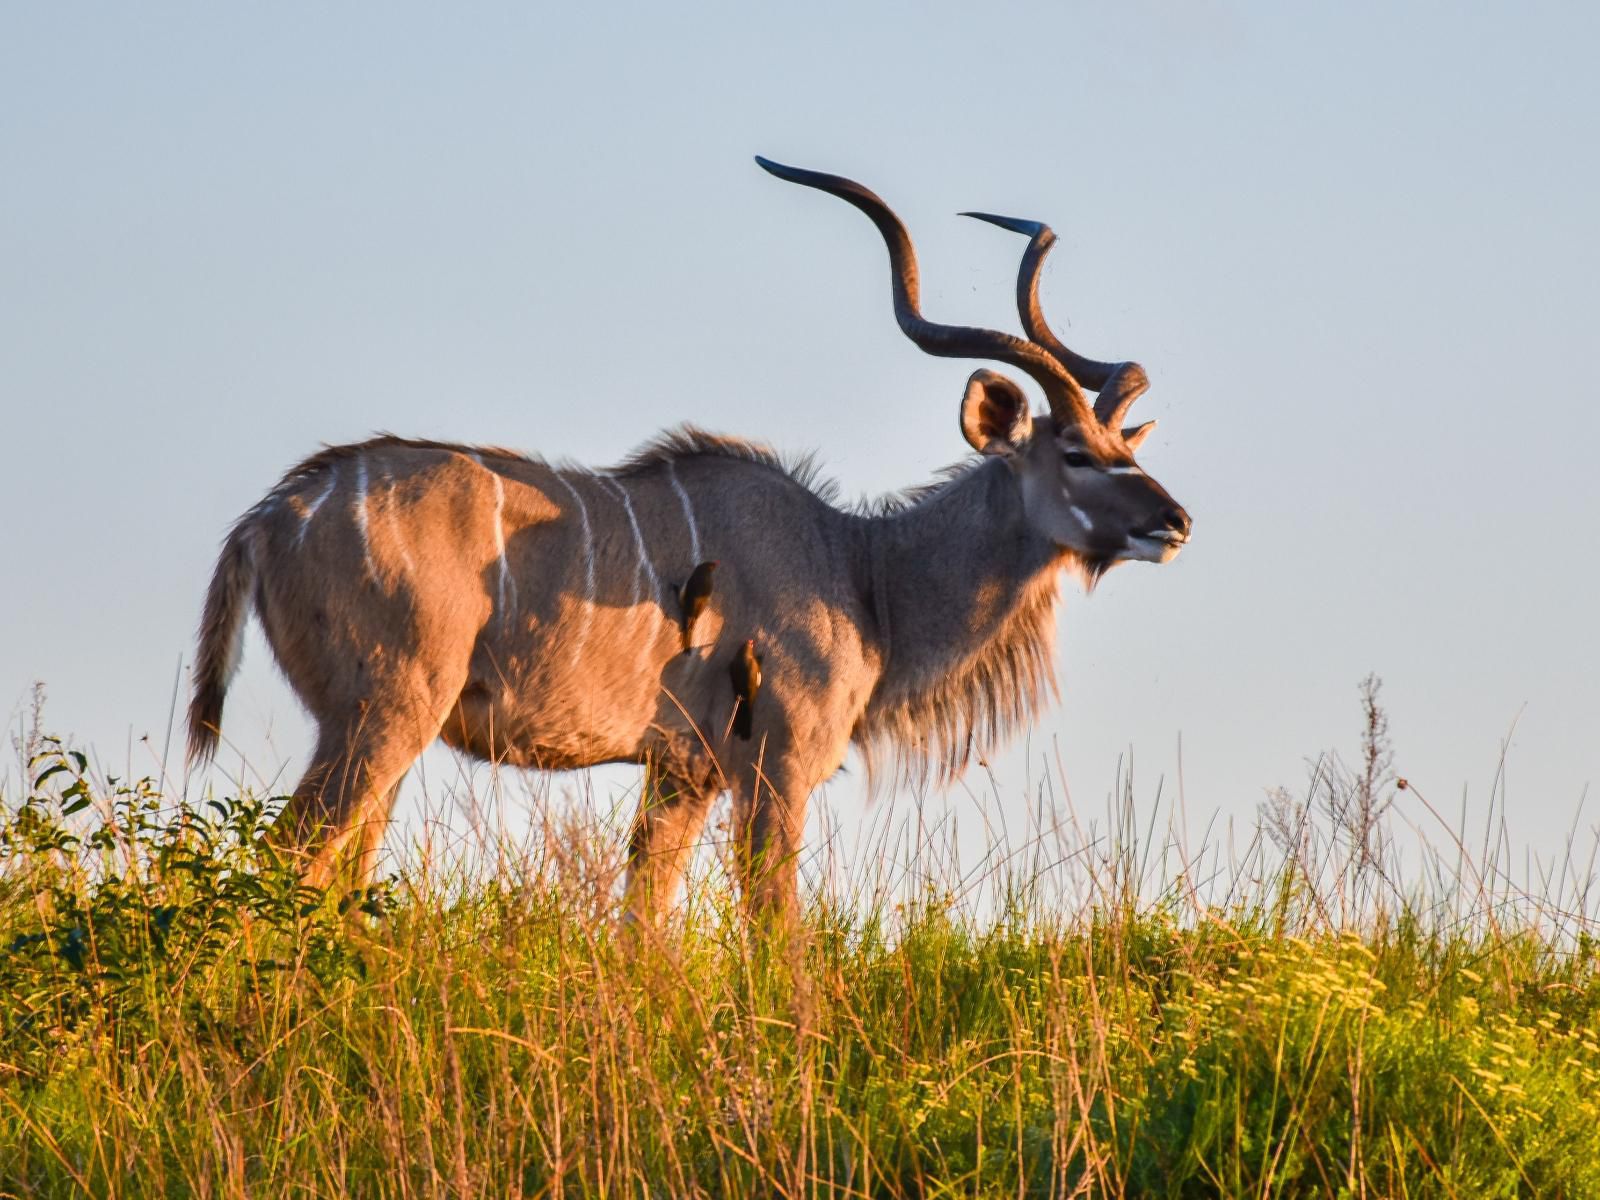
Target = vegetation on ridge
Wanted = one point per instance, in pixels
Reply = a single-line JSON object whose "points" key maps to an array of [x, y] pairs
{"points": [[178, 1017]]}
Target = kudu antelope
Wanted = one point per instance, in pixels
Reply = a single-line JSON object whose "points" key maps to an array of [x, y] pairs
{"points": [[527, 613]]}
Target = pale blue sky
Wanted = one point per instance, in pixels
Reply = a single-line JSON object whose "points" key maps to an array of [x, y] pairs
{"points": [[1354, 246]]}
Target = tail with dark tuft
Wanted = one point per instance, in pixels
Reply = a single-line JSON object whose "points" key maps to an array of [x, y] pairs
{"points": [[221, 633]]}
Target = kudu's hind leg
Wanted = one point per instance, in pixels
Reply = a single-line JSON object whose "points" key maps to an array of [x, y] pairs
{"points": [[372, 825], [672, 812], [337, 815]]}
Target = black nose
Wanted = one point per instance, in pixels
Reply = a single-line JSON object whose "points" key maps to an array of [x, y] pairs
{"points": [[1176, 519]]}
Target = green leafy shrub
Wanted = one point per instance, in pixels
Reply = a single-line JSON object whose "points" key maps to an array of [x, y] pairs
{"points": [[155, 910], [179, 1017]]}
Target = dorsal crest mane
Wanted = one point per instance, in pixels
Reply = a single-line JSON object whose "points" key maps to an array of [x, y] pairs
{"points": [[690, 441], [333, 455], [671, 446]]}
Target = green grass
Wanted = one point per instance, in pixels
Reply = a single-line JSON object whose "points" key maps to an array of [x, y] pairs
{"points": [[178, 1018]]}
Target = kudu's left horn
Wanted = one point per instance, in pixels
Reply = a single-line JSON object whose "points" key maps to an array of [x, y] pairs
{"points": [[1067, 401], [1119, 384]]}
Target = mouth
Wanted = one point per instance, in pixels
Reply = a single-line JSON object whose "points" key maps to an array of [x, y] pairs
{"points": [[1159, 545]]}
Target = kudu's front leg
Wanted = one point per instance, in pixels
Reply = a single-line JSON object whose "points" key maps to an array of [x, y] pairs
{"points": [[672, 812], [769, 816]]}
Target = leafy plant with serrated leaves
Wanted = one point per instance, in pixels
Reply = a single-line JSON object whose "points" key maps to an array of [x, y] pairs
{"points": [[112, 913]]}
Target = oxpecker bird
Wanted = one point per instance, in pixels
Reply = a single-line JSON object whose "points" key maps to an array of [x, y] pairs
{"points": [[693, 598], [745, 672]]}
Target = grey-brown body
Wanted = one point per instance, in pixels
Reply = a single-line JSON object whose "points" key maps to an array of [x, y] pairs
{"points": [[527, 614]]}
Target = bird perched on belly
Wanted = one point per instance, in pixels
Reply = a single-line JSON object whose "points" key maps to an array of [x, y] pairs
{"points": [[745, 672], [693, 597]]}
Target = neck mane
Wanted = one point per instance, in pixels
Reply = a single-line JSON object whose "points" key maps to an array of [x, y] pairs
{"points": [[964, 593]]}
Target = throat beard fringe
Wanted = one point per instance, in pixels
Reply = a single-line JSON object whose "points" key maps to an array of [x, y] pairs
{"points": [[929, 728]]}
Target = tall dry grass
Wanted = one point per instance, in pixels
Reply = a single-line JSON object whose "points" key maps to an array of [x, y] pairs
{"points": [[1089, 1008]]}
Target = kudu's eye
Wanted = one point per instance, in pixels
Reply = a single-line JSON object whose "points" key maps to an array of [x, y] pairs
{"points": [[1076, 458]]}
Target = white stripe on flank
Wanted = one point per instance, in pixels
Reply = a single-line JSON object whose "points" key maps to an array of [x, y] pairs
{"points": [[359, 506], [505, 582], [588, 567], [588, 537], [638, 539], [311, 509], [394, 522], [688, 515]]}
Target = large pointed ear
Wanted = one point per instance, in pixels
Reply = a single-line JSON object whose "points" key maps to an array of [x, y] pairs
{"points": [[1137, 434], [994, 414]]}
